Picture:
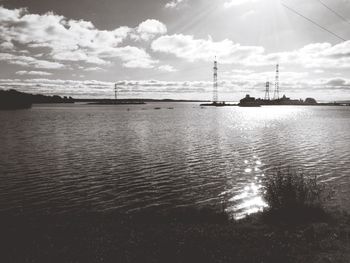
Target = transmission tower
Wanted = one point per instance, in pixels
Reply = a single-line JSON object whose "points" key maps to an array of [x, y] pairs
{"points": [[267, 91], [276, 94], [115, 92], [215, 82]]}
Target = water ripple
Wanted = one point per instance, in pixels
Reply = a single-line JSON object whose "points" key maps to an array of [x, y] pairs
{"points": [[93, 158]]}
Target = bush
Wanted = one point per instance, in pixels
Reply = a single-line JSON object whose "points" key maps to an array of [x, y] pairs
{"points": [[294, 197]]}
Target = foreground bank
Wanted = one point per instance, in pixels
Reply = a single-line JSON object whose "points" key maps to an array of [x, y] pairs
{"points": [[295, 227], [194, 236]]}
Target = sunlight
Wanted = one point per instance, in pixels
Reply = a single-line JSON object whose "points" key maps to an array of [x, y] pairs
{"points": [[231, 3], [247, 199], [270, 113]]}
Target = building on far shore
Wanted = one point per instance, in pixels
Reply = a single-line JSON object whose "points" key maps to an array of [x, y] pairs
{"points": [[248, 101], [252, 102]]}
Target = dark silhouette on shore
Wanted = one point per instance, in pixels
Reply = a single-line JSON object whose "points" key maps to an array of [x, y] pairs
{"points": [[217, 104], [249, 101], [13, 99], [130, 101]]}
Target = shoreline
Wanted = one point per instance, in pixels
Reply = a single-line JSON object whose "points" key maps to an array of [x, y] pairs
{"points": [[189, 236]]}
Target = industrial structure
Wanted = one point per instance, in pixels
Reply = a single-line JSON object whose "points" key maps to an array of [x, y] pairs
{"points": [[267, 90], [216, 102], [248, 101], [215, 82], [115, 93], [276, 94]]}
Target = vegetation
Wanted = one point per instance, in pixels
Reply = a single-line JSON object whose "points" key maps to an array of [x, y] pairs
{"points": [[188, 235], [294, 197], [13, 99]]}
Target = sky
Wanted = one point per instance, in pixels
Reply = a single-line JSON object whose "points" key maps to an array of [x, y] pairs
{"points": [[166, 48]]}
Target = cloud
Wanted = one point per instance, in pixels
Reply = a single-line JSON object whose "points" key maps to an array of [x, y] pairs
{"points": [[88, 89], [174, 4], [191, 49], [92, 69], [132, 57], [293, 85], [38, 73], [316, 55], [149, 29], [338, 82], [102, 89], [70, 40], [167, 68], [7, 46], [27, 61], [318, 71]]}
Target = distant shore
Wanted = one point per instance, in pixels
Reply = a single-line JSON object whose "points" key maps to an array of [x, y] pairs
{"points": [[13, 99], [131, 101]]}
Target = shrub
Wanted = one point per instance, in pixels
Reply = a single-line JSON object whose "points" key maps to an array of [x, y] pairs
{"points": [[294, 197]]}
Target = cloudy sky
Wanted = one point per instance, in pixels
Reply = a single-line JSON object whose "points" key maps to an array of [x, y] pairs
{"points": [[165, 48]]}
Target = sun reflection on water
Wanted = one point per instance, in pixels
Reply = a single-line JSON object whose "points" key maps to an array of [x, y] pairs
{"points": [[247, 199], [247, 202]]}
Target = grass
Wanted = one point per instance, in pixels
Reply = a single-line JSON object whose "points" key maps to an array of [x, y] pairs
{"points": [[189, 235], [110, 238], [294, 197]]}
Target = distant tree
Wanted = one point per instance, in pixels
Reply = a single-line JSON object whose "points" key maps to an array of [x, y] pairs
{"points": [[310, 101]]}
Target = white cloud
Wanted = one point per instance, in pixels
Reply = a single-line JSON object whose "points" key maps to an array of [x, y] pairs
{"points": [[149, 29], [316, 55], [34, 73], [7, 46], [191, 49], [27, 61], [78, 55], [167, 68], [92, 68], [173, 4], [293, 84], [71, 40], [132, 57]]}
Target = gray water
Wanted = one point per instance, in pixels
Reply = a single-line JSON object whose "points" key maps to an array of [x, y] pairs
{"points": [[74, 158]]}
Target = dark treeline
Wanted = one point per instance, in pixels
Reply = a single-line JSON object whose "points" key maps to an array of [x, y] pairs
{"points": [[13, 99], [130, 101]]}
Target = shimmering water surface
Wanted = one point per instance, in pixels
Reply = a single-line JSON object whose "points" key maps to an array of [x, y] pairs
{"points": [[73, 158]]}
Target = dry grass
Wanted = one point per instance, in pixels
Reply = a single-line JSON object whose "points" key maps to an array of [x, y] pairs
{"points": [[294, 197]]}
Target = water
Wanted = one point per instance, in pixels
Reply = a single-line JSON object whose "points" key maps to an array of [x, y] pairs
{"points": [[75, 158]]}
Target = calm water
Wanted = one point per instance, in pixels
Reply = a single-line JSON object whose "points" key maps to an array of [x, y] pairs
{"points": [[60, 159]]}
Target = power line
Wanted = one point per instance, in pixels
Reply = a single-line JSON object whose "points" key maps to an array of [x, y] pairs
{"points": [[313, 22], [215, 82], [334, 12]]}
